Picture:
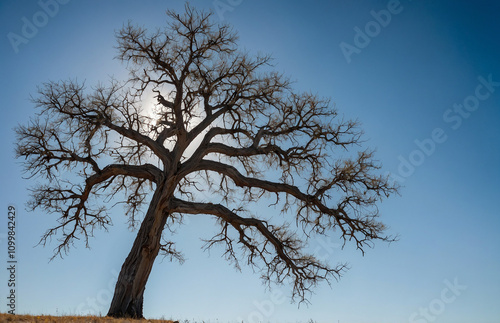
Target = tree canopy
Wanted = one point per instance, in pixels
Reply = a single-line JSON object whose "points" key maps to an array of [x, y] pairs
{"points": [[224, 124]]}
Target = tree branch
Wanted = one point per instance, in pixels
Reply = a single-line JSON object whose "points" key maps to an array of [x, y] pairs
{"points": [[288, 261]]}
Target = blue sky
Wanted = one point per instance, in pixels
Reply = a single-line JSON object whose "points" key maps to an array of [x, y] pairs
{"points": [[404, 83]]}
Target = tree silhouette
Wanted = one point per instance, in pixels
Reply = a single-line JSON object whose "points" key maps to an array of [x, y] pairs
{"points": [[223, 124]]}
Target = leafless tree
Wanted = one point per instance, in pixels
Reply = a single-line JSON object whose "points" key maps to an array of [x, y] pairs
{"points": [[224, 124]]}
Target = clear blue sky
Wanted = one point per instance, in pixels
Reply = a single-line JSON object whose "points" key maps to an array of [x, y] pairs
{"points": [[424, 85]]}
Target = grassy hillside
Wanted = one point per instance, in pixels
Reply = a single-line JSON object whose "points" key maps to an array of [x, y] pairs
{"points": [[72, 319]]}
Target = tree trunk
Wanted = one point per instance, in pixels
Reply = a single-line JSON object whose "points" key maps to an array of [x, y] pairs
{"points": [[129, 290]]}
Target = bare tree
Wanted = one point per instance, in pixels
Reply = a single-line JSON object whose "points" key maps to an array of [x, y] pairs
{"points": [[223, 124]]}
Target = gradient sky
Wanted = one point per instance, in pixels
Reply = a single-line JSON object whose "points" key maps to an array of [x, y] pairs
{"points": [[405, 85]]}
